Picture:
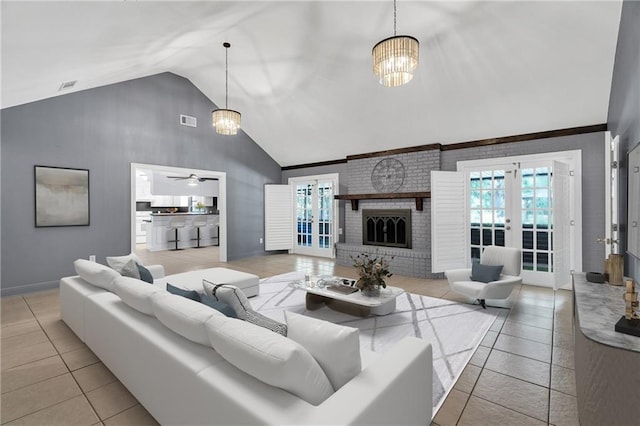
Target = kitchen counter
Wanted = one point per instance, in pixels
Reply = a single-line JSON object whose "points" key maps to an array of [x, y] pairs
{"points": [[184, 214], [160, 235]]}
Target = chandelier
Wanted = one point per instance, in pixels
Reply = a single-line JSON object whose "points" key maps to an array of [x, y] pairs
{"points": [[226, 121], [395, 58]]}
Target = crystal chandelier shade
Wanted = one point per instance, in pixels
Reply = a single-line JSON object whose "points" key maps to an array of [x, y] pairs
{"points": [[226, 121], [395, 58]]}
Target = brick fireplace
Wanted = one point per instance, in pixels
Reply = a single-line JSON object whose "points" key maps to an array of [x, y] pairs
{"points": [[413, 256]]}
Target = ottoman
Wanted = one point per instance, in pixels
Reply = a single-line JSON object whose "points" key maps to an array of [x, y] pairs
{"points": [[192, 280]]}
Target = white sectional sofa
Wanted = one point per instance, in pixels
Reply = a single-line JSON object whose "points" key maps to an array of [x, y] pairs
{"points": [[182, 382]]}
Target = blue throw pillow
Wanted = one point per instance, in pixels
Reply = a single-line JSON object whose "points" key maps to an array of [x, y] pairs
{"points": [[145, 275], [485, 273], [219, 306], [189, 294]]}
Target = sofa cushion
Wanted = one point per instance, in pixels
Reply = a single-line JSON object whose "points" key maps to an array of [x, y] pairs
{"points": [[269, 357], [229, 294], [219, 306], [235, 298], [130, 269], [95, 273], [145, 274], [189, 294], [118, 262], [485, 273], [183, 316], [135, 293], [335, 347]]}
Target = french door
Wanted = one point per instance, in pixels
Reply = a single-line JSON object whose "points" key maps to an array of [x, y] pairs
{"points": [[532, 202], [314, 216], [522, 205]]}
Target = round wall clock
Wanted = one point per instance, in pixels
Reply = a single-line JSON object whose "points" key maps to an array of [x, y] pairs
{"points": [[387, 175]]}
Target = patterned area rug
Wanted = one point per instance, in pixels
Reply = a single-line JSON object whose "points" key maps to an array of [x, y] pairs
{"points": [[454, 329]]}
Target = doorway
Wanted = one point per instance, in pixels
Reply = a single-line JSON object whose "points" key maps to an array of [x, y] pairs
{"points": [[180, 171], [529, 202], [314, 228]]}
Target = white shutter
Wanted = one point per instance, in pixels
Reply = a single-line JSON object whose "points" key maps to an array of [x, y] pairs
{"points": [[448, 221], [561, 225], [278, 217]]}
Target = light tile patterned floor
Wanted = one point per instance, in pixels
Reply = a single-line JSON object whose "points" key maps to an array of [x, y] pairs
{"points": [[521, 374]]}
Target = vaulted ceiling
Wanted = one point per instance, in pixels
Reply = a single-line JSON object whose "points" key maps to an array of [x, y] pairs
{"points": [[300, 72]]}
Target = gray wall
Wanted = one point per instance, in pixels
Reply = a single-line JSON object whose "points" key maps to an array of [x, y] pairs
{"points": [[624, 104], [105, 130], [592, 146]]}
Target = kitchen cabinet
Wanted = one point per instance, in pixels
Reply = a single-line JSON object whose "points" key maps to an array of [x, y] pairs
{"points": [[169, 201], [143, 189]]}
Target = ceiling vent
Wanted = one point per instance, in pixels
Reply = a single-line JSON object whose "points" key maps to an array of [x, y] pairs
{"points": [[187, 120], [67, 85]]}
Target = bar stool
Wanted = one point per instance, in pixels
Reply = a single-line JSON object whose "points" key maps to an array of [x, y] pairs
{"points": [[199, 222], [175, 224]]}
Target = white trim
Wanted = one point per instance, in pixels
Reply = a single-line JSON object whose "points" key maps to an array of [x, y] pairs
{"points": [[335, 178], [222, 200], [574, 159]]}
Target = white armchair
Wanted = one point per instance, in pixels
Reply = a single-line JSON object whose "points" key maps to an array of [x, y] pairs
{"points": [[510, 258]]}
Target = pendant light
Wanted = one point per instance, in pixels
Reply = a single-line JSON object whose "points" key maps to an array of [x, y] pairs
{"points": [[395, 58], [226, 121]]}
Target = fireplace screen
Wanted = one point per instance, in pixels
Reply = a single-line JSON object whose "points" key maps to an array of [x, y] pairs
{"points": [[389, 228]]}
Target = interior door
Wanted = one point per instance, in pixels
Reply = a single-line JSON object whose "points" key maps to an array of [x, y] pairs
{"points": [[314, 216], [512, 205]]}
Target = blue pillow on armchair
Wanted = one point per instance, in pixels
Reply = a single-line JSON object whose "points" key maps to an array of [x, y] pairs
{"points": [[485, 273]]}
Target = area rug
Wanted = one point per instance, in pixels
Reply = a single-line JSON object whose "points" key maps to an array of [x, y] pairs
{"points": [[454, 329]]}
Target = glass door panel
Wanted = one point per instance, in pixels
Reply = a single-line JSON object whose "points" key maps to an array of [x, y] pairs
{"points": [[487, 209], [536, 212], [314, 218]]}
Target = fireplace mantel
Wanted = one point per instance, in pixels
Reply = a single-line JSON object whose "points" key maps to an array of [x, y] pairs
{"points": [[355, 198]]}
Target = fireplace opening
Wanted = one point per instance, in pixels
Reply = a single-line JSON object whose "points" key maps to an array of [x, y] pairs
{"points": [[386, 227]]}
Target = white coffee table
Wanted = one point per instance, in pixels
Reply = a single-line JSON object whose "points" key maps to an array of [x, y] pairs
{"points": [[354, 304]]}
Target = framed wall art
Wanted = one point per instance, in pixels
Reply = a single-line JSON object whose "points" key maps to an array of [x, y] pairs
{"points": [[61, 196]]}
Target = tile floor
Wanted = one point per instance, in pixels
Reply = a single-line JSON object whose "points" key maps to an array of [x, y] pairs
{"points": [[521, 374]]}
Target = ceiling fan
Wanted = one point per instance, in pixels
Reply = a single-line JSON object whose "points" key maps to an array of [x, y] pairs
{"points": [[192, 177]]}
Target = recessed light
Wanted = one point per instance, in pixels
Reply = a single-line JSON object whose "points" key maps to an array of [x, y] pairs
{"points": [[67, 85]]}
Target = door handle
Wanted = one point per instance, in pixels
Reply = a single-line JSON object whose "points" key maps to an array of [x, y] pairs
{"points": [[508, 228], [604, 240]]}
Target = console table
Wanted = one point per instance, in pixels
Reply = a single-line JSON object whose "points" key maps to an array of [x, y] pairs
{"points": [[606, 362]]}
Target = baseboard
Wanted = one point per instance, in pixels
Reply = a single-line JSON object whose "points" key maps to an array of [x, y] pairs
{"points": [[29, 288]]}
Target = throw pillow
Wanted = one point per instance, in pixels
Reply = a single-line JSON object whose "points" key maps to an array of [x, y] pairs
{"points": [[270, 324], [183, 316], [485, 273], [130, 269], [118, 262], [234, 297], [145, 274], [229, 294], [189, 294], [135, 293], [335, 347], [269, 357], [219, 306], [95, 273]]}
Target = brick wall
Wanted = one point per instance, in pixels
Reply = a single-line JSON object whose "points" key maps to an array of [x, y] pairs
{"points": [[415, 262]]}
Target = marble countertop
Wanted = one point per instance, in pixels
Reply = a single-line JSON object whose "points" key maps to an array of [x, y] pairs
{"points": [[599, 307]]}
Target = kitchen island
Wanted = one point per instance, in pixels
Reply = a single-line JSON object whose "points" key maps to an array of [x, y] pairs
{"points": [[160, 235]]}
